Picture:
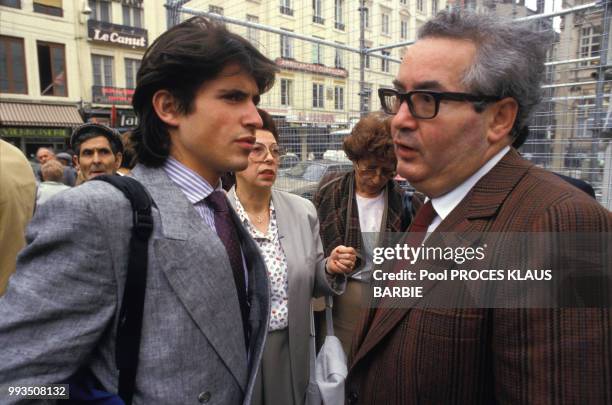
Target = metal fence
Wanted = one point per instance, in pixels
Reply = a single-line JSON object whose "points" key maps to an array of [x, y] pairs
{"points": [[335, 54]]}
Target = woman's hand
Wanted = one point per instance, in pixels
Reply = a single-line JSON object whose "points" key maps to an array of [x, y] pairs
{"points": [[341, 260]]}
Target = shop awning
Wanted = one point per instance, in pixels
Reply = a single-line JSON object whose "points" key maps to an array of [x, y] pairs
{"points": [[39, 115]]}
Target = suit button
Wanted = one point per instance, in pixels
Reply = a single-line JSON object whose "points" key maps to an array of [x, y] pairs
{"points": [[352, 398], [204, 397]]}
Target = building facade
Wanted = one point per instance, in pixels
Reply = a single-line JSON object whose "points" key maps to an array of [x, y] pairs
{"points": [[65, 62]]}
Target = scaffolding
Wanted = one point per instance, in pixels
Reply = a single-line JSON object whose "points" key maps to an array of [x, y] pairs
{"points": [[333, 55]]}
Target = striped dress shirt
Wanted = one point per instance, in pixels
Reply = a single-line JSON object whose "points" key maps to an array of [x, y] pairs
{"points": [[196, 189]]}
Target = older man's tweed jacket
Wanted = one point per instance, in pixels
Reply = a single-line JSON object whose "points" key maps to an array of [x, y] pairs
{"points": [[493, 356]]}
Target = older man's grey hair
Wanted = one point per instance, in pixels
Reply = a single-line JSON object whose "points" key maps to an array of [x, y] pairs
{"points": [[509, 59]]}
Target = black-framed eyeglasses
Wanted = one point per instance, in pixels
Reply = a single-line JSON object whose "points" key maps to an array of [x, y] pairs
{"points": [[260, 151], [424, 104]]}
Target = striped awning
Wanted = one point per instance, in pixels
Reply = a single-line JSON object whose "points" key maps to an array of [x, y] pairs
{"points": [[39, 115]]}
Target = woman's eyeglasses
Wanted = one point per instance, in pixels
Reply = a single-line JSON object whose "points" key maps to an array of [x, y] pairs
{"points": [[260, 151]]}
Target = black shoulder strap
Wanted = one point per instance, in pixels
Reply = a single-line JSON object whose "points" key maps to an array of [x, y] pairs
{"points": [[130, 313]]}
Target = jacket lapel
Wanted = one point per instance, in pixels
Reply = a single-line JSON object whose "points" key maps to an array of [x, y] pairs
{"points": [[473, 214], [194, 261]]}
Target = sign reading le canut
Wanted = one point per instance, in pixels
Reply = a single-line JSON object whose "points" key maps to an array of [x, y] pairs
{"points": [[117, 34]]}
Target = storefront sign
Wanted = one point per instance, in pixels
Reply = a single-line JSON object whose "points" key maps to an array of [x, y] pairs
{"points": [[315, 118], [111, 95], [310, 67], [122, 35], [34, 132], [126, 118]]}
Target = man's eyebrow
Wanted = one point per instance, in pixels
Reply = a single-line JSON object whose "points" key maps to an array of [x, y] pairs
{"points": [[429, 85]]}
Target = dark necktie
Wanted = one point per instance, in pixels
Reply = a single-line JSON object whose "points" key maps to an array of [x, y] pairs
{"points": [[229, 236], [423, 218]]}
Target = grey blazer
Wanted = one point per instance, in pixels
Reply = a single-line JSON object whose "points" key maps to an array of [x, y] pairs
{"points": [[60, 309], [298, 229]]}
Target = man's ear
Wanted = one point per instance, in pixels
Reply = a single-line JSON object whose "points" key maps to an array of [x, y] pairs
{"points": [[502, 116], [118, 160], [75, 162], [165, 107]]}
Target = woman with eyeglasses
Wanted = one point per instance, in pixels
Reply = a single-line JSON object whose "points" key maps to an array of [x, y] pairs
{"points": [[354, 209], [286, 228]]}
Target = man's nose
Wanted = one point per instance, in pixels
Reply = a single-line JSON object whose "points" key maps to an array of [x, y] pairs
{"points": [[252, 118], [96, 157], [403, 119]]}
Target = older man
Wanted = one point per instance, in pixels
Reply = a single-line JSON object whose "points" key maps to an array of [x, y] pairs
{"points": [[206, 303], [98, 149], [463, 93]]}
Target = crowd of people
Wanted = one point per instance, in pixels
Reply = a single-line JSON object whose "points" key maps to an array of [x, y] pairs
{"points": [[232, 269]]}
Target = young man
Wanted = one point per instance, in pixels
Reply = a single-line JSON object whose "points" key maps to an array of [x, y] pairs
{"points": [[463, 94], [207, 299], [98, 149]]}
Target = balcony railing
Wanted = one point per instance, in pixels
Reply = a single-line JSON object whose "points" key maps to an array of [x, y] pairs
{"points": [[339, 26], [318, 19], [286, 10]]}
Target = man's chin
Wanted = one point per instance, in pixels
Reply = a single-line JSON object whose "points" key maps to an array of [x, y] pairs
{"points": [[92, 175], [238, 165]]}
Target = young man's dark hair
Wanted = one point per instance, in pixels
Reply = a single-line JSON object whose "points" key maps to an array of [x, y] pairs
{"points": [[180, 61], [268, 123], [93, 130]]}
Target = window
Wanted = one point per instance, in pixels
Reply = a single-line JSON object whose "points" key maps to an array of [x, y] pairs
{"points": [[339, 59], [403, 2], [51, 7], [52, 69], [132, 16], [367, 95], [339, 14], [285, 7], [12, 66], [317, 11], [339, 98], [404, 29], [102, 70], [420, 5], [11, 3], [434, 7], [317, 54], [100, 10], [317, 96], [590, 43], [385, 23], [252, 33], [286, 92], [131, 70], [365, 15], [367, 58], [384, 63], [286, 47], [215, 9]]}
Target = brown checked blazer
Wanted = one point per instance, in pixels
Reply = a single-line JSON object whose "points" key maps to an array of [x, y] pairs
{"points": [[493, 356]]}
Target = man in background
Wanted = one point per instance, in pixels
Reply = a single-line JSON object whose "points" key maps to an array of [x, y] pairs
{"points": [[52, 173], [98, 149]]}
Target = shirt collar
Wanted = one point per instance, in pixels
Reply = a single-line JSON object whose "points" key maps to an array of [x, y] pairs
{"points": [[194, 186], [244, 219], [446, 203]]}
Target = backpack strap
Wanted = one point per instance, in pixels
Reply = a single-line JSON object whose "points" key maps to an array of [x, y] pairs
{"points": [[127, 341]]}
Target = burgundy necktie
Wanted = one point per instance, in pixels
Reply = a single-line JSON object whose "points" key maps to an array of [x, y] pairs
{"points": [[423, 218], [229, 236]]}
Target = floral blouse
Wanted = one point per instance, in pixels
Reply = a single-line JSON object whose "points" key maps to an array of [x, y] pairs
{"points": [[276, 262]]}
